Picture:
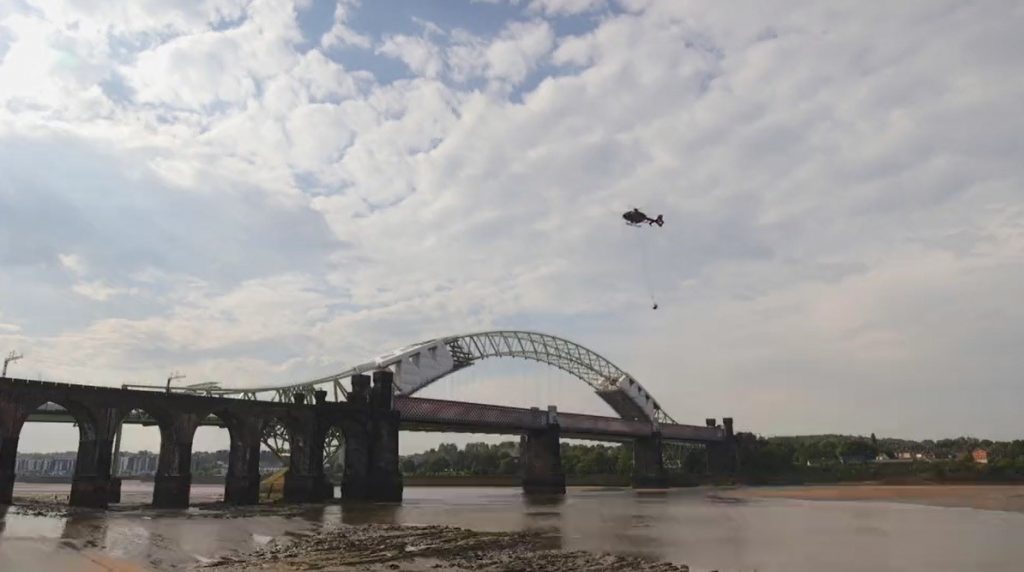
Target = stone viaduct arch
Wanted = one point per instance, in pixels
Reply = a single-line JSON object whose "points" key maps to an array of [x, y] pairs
{"points": [[99, 412]]}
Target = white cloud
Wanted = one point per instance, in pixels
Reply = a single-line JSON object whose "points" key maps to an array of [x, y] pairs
{"points": [[504, 60], [6, 328], [215, 66], [152, 16], [518, 50], [839, 190], [95, 290], [567, 7], [341, 34], [421, 55], [74, 263]]}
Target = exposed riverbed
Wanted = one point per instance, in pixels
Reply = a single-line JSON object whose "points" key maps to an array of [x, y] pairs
{"points": [[932, 529]]}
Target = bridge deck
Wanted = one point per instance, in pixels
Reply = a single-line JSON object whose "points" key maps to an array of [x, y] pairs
{"points": [[421, 414]]}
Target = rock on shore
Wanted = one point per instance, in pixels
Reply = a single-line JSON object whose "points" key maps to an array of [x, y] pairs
{"points": [[375, 547]]}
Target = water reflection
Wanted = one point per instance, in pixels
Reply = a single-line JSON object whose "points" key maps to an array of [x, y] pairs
{"points": [[85, 530], [697, 527], [543, 500], [313, 513], [543, 514], [356, 513]]}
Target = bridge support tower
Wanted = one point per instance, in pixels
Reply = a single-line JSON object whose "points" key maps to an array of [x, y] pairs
{"points": [[372, 470], [304, 481], [173, 479], [385, 476], [648, 463], [242, 486], [92, 483], [355, 481], [722, 456], [541, 458], [10, 431]]}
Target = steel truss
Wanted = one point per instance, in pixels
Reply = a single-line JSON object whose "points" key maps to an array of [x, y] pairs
{"points": [[466, 349]]}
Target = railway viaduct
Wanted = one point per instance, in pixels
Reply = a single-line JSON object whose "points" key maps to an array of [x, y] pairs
{"points": [[369, 409]]}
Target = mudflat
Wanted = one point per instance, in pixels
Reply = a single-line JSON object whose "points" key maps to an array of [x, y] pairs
{"points": [[985, 497], [373, 547]]}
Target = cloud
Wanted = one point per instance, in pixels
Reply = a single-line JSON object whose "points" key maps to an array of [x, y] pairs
{"points": [[218, 66], [8, 328], [567, 7], [73, 262], [96, 290], [517, 51], [341, 34], [844, 228], [460, 57], [422, 56]]}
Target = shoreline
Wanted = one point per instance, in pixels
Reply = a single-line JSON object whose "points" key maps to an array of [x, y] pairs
{"points": [[989, 496], [421, 537], [341, 547]]}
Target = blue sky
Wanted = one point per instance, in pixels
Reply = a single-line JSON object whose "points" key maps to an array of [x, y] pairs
{"points": [[263, 191]]}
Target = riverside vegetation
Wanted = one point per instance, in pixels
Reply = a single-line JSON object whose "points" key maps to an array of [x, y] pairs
{"points": [[771, 460]]}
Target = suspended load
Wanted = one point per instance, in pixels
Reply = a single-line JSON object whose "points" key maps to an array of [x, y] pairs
{"points": [[636, 217]]}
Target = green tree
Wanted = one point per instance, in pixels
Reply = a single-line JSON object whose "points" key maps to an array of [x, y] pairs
{"points": [[408, 467], [438, 465], [508, 466], [858, 448], [624, 460]]}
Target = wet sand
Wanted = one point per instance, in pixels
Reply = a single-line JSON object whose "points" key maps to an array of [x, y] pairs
{"points": [[336, 547], [984, 497], [883, 529]]}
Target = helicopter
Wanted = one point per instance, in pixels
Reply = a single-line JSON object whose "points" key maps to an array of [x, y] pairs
{"points": [[636, 217]]}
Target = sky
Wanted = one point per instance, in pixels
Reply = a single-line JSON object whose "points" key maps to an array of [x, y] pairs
{"points": [[258, 192]]}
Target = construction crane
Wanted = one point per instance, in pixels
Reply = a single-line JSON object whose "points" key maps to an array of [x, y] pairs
{"points": [[174, 375], [10, 357]]}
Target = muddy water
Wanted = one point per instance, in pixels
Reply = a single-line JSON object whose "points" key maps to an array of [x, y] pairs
{"points": [[703, 528]]}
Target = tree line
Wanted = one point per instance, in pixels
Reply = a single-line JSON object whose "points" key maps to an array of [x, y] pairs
{"points": [[809, 458], [846, 457], [482, 459]]}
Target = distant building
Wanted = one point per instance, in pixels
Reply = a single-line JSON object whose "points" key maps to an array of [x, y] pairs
{"points": [[980, 456], [45, 464], [138, 464], [894, 458], [857, 459]]}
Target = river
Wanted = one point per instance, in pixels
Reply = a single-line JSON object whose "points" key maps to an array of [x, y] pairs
{"points": [[725, 530]]}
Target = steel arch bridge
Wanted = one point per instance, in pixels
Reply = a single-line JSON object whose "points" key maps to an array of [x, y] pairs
{"points": [[418, 365]]}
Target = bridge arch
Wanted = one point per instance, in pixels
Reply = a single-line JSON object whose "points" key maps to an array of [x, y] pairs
{"points": [[418, 365], [13, 417], [84, 414], [422, 364]]}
